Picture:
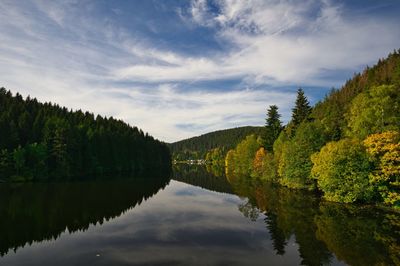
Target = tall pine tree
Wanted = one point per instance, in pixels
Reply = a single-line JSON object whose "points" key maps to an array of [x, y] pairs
{"points": [[302, 109], [273, 127]]}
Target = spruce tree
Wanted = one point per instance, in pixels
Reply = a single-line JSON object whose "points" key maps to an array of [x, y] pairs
{"points": [[302, 108], [273, 127]]}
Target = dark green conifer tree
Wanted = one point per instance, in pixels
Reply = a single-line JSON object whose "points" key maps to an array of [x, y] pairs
{"points": [[273, 127], [302, 108]]}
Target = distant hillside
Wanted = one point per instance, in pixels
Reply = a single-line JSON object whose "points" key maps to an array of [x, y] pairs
{"points": [[197, 147]]}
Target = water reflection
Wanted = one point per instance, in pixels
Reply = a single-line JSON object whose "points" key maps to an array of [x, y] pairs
{"points": [[360, 236], [201, 219], [210, 178], [42, 211], [356, 235]]}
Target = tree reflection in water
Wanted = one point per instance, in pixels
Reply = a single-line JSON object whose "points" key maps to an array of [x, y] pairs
{"points": [[323, 231], [356, 235], [42, 211]]}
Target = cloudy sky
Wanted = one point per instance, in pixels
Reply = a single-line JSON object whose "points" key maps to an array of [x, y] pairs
{"points": [[180, 68]]}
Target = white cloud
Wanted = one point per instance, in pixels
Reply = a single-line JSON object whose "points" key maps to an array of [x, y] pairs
{"points": [[199, 12], [79, 75], [275, 43], [56, 52]]}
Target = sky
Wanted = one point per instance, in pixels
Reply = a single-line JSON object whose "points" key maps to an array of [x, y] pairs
{"points": [[177, 68]]}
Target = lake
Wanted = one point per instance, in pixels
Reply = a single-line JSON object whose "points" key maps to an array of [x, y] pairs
{"points": [[198, 217]]}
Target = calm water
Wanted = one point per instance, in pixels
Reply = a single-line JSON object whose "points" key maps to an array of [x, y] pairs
{"points": [[196, 218]]}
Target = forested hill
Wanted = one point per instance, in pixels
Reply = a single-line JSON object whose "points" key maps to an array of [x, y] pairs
{"points": [[197, 147], [332, 110], [46, 141], [347, 146]]}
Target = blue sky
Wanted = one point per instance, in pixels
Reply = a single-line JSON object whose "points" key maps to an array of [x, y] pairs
{"points": [[179, 68]]}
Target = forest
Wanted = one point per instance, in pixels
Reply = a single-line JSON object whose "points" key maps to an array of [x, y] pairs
{"points": [[221, 141], [43, 141], [346, 147]]}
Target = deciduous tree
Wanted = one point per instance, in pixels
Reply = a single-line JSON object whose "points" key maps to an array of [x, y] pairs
{"points": [[342, 171]]}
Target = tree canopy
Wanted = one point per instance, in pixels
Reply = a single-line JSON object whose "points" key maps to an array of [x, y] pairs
{"points": [[45, 141], [342, 169]]}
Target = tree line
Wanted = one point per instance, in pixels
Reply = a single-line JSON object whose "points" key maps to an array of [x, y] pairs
{"points": [[347, 146], [43, 141], [223, 140]]}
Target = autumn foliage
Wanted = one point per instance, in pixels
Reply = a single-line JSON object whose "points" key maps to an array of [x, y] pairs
{"points": [[384, 150], [347, 146]]}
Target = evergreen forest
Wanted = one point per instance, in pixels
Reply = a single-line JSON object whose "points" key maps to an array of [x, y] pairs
{"points": [[43, 141]]}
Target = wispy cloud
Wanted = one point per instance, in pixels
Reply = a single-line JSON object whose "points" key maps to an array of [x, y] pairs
{"points": [[277, 42], [78, 55]]}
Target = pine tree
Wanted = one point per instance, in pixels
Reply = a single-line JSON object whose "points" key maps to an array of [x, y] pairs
{"points": [[302, 108], [41, 141], [273, 127]]}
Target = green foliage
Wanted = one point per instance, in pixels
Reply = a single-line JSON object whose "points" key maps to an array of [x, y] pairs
{"points": [[331, 111], [55, 137], [269, 171], [6, 164], [36, 156], [342, 169], [273, 127], [279, 147], [240, 160], [368, 103], [197, 147], [247, 150], [374, 111], [19, 160], [44, 141], [301, 110], [330, 114], [295, 170], [216, 157]]}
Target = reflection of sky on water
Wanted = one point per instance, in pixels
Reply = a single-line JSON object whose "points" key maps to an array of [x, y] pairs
{"points": [[181, 225]]}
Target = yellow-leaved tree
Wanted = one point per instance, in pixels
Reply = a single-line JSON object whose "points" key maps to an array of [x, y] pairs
{"points": [[258, 162], [384, 150]]}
